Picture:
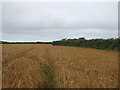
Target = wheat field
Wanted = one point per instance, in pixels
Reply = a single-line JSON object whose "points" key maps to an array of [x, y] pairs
{"points": [[47, 66], [0, 66]]}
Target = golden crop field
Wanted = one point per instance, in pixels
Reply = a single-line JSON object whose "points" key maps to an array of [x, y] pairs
{"points": [[42, 66], [0, 66]]}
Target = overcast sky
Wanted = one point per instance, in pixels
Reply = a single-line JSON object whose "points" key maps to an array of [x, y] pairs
{"points": [[54, 21]]}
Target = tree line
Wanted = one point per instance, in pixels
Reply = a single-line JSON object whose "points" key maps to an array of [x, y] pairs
{"points": [[5, 42], [110, 44]]}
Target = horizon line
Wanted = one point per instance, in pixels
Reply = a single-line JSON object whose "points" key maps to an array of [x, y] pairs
{"points": [[59, 39]]}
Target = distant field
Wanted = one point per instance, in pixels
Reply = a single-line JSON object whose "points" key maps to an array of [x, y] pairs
{"points": [[42, 66]]}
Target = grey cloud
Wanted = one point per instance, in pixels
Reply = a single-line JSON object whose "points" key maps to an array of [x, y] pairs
{"points": [[0, 21], [50, 21]]}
